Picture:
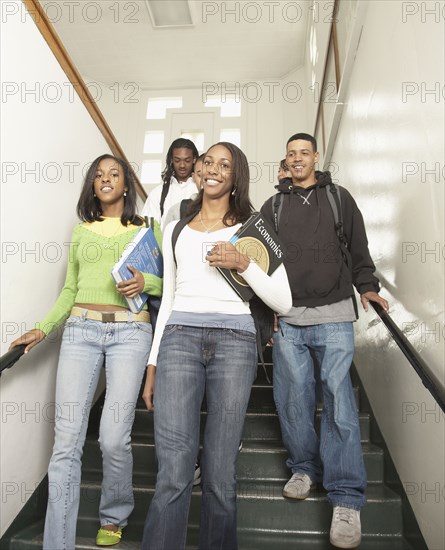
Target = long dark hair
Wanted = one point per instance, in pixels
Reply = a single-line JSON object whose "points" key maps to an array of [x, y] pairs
{"points": [[180, 143], [88, 207], [240, 206]]}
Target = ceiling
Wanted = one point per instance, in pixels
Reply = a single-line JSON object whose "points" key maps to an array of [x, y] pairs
{"points": [[115, 41]]}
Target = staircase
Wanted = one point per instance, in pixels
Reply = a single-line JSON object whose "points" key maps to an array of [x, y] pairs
{"points": [[266, 520]]}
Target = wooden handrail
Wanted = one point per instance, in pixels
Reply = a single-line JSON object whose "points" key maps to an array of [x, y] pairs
{"points": [[53, 40], [332, 43]]}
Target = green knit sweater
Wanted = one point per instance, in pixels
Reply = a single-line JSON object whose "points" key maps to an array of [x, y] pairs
{"points": [[88, 278]]}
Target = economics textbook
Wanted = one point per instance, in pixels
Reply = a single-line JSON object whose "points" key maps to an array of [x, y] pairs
{"points": [[144, 254], [257, 240]]}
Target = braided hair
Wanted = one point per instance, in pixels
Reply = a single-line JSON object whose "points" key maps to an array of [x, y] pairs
{"points": [[180, 143]]}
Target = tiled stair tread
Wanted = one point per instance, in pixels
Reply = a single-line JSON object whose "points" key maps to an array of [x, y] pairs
{"points": [[249, 445], [256, 462], [259, 490], [248, 539], [262, 506]]}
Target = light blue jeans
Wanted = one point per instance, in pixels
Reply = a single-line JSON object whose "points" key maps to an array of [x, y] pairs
{"points": [[86, 346], [337, 458], [222, 363]]}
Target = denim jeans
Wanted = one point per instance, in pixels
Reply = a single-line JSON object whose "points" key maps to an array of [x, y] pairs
{"points": [[86, 345], [337, 458], [222, 363]]}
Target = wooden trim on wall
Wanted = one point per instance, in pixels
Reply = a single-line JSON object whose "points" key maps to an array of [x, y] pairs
{"points": [[325, 69], [53, 40]]}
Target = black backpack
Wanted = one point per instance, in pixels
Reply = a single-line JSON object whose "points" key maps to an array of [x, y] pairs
{"points": [[262, 314]]}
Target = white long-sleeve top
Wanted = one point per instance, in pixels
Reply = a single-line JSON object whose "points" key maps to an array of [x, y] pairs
{"points": [[177, 192], [193, 286]]}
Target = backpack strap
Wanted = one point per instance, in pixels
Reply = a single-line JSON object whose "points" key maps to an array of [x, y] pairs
{"points": [[177, 229], [149, 222], [334, 198], [277, 205]]}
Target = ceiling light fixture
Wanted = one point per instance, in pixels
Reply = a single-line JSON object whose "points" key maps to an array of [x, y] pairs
{"points": [[169, 13]]}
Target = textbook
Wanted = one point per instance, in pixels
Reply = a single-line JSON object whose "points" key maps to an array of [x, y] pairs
{"points": [[257, 240], [144, 254]]}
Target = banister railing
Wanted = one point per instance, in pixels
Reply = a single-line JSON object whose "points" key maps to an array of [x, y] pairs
{"points": [[11, 357], [429, 380]]}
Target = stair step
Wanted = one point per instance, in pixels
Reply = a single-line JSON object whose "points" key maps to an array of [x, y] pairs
{"points": [[256, 461], [382, 514], [262, 401], [31, 538], [263, 426]]}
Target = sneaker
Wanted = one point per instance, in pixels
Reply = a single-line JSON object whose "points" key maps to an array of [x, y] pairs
{"points": [[197, 475], [346, 529], [105, 537], [298, 486]]}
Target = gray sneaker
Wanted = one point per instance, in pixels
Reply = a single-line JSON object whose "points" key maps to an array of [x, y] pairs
{"points": [[346, 529], [298, 486]]}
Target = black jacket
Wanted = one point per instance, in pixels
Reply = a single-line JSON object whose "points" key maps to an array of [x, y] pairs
{"points": [[315, 265]]}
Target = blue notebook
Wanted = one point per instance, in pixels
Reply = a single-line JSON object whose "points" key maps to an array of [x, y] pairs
{"points": [[144, 254]]}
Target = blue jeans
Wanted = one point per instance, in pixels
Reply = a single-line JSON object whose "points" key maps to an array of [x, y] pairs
{"points": [[86, 345], [222, 363], [337, 458]]}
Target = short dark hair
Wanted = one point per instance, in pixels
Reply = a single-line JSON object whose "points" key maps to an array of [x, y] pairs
{"points": [[305, 137], [283, 165], [88, 206], [240, 206]]}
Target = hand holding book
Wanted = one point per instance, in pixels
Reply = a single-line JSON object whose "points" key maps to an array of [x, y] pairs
{"points": [[130, 288], [225, 255], [255, 241]]}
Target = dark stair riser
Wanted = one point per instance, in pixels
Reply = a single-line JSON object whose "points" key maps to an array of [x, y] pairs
{"points": [[262, 401], [264, 427]]}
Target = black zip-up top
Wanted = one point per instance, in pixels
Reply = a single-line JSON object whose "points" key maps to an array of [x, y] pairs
{"points": [[315, 265]]}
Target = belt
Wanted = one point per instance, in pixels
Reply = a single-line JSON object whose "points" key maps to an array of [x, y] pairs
{"points": [[111, 316]]}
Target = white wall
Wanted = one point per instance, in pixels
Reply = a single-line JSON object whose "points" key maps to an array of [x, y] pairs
{"points": [[47, 139], [386, 142]]}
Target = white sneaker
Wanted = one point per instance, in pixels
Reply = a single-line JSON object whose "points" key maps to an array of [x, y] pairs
{"points": [[298, 486], [346, 529]]}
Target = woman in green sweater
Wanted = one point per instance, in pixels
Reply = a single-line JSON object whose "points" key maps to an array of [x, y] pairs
{"points": [[99, 328]]}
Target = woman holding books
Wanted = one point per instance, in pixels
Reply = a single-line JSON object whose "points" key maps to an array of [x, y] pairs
{"points": [[98, 329], [205, 344]]}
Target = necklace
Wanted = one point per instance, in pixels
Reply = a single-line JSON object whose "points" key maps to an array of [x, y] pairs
{"points": [[305, 198], [208, 229]]}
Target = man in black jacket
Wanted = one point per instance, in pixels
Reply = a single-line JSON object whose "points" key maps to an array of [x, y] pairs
{"points": [[322, 272]]}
